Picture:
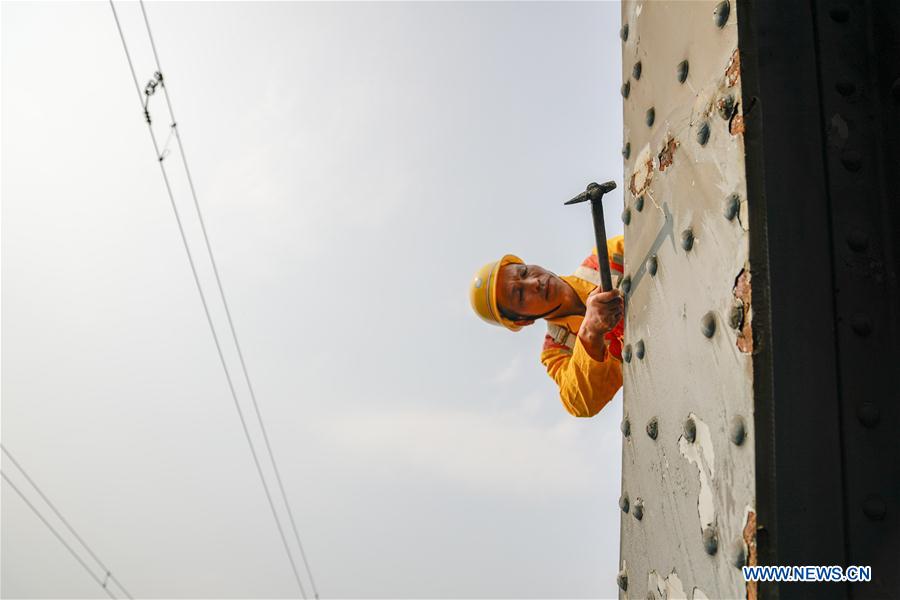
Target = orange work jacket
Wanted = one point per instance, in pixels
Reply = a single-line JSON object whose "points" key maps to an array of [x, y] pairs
{"points": [[585, 385]]}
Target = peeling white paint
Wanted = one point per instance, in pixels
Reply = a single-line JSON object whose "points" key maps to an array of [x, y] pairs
{"points": [[642, 174], [698, 594], [701, 454], [669, 587], [674, 588], [747, 510], [656, 584]]}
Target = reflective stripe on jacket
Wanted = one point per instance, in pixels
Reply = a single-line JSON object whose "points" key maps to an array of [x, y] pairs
{"points": [[585, 385]]}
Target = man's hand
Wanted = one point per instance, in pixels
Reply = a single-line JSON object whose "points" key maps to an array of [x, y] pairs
{"points": [[603, 311]]}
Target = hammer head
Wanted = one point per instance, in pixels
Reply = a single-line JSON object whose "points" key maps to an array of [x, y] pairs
{"points": [[594, 192]]}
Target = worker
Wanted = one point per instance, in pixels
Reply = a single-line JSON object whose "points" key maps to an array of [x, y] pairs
{"points": [[583, 347]]}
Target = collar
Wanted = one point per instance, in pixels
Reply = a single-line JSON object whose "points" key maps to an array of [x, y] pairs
{"points": [[582, 287]]}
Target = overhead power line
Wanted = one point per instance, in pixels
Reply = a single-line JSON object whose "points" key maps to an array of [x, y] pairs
{"points": [[108, 576], [149, 90], [234, 336]]}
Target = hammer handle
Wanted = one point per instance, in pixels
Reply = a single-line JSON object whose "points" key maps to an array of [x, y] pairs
{"points": [[602, 252]]}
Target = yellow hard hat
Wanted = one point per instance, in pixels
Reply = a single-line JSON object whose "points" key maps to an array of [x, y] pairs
{"points": [[483, 292]]}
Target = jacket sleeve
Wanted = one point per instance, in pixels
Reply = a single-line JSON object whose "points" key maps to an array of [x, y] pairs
{"points": [[585, 385]]}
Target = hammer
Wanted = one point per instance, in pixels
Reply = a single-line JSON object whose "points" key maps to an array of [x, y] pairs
{"points": [[594, 193]]}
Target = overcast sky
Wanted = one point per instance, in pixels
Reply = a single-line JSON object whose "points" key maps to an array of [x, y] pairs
{"points": [[355, 164]]}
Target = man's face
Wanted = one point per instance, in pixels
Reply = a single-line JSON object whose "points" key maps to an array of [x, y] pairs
{"points": [[528, 291]]}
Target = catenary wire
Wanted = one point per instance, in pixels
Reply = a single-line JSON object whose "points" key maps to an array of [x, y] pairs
{"points": [[206, 311], [64, 521], [231, 326], [58, 536]]}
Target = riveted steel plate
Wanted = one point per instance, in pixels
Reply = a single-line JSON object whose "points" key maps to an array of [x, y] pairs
{"points": [[689, 456]]}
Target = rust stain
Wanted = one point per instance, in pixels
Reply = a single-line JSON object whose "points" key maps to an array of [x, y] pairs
{"points": [[737, 125], [667, 155], [749, 535], [640, 179], [743, 292], [726, 106], [733, 71]]}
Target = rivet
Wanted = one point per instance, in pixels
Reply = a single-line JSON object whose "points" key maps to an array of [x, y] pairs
{"points": [[626, 427], [626, 353], [639, 203], [683, 68], [639, 349], [703, 134], [839, 14], [895, 90], [868, 414], [736, 318], [626, 216], [623, 503], [845, 87], [687, 239], [737, 433], [732, 206], [874, 508], [626, 284], [626, 89], [857, 240], [638, 511], [720, 15], [690, 430], [851, 160], [708, 324], [626, 151], [653, 428], [710, 540], [622, 580], [623, 33], [861, 324], [738, 553], [651, 116], [726, 109], [636, 70], [652, 265]]}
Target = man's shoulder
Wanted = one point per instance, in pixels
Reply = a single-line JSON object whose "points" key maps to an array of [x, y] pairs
{"points": [[615, 244], [615, 249]]}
